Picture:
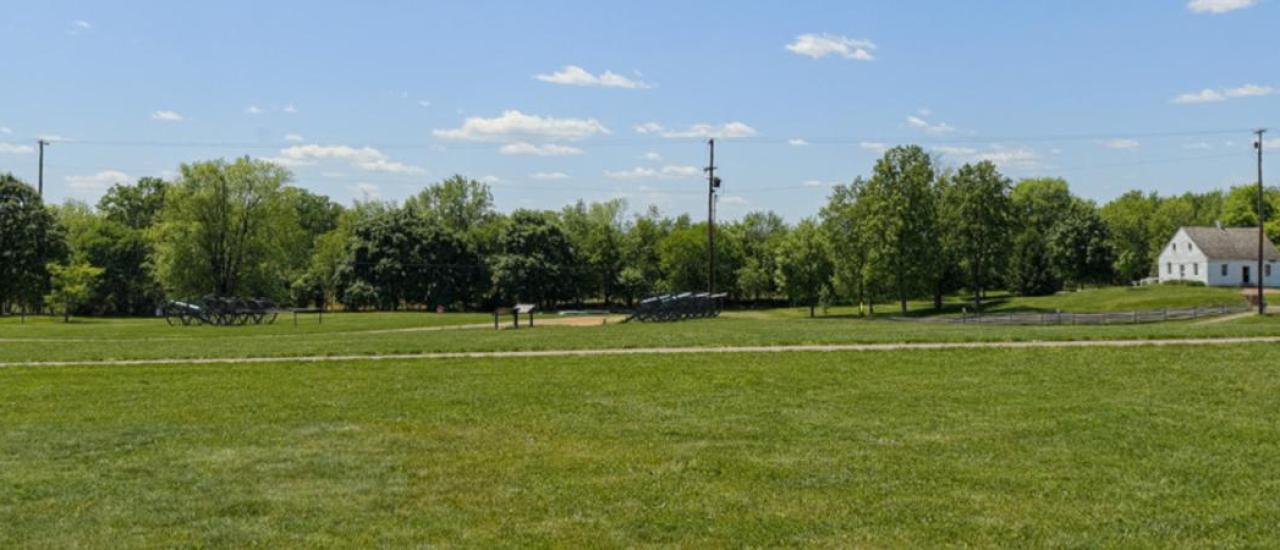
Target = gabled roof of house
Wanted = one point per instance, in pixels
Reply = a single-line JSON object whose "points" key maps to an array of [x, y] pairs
{"points": [[1231, 243]]}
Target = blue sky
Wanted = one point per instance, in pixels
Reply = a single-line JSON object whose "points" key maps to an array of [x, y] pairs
{"points": [[554, 101]]}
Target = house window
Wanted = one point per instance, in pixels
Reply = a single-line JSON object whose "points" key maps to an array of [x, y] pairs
{"points": [[1268, 269], [1191, 247], [1195, 269], [1182, 271], [1169, 268], [1175, 247], [1224, 270]]}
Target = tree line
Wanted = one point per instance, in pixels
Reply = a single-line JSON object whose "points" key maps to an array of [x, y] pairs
{"points": [[912, 229]]}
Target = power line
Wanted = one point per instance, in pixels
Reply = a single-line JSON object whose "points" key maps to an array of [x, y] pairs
{"points": [[754, 140]]}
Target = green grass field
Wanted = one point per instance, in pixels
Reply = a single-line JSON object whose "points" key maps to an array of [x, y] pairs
{"points": [[1135, 447], [1146, 447]]}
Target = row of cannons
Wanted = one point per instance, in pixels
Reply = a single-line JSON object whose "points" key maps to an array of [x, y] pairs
{"points": [[220, 311], [679, 307]]}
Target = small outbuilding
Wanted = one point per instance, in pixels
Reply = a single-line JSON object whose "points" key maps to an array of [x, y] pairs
{"points": [[1218, 256]]}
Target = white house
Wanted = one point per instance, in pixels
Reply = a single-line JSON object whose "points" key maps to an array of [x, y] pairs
{"points": [[1218, 256]]}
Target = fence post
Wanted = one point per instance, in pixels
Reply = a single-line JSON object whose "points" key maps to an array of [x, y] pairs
{"points": [[1195, 312], [495, 319]]}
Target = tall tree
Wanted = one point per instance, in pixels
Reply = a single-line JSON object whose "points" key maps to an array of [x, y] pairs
{"points": [[978, 220], [72, 286], [462, 206], [1129, 222], [760, 234], [135, 206], [536, 261], [804, 264], [844, 221], [1080, 246], [900, 218], [224, 230], [29, 240], [406, 259]]}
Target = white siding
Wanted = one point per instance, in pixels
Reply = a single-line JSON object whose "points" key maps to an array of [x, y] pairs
{"points": [[1182, 260]]}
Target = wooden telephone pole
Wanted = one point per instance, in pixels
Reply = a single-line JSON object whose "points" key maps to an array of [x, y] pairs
{"points": [[40, 178], [1262, 300], [713, 183]]}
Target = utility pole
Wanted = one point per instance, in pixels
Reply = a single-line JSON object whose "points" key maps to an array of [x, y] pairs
{"points": [[1262, 301], [40, 180], [711, 218]]}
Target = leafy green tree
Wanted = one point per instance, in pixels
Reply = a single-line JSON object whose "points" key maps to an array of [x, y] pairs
{"points": [[978, 222], [1038, 205], [683, 257], [804, 264], [225, 229], [1129, 222], [1240, 209], [596, 231], [536, 262], [135, 206], [641, 246], [1031, 271], [71, 286], [900, 221], [29, 240], [632, 284], [1080, 246], [844, 222], [407, 259], [760, 235], [462, 206]]}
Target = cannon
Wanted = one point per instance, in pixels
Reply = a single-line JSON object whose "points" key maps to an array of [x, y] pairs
{"points": [[678, 307], [221, 311]]}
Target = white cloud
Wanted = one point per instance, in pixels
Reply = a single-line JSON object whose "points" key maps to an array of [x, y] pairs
{"points": [[797, 142], [1218, 6], [15, 149], [648, 128], [874, 146], [1199, 145], [364, 158], [546, 150], [573, 75], [818, 183], [819, 46], [290, 108], [702, 130], [652, 156], [5, 130], [514, 124], [253, 110], [167, 116], [295, 138], [670, 171], [100, 180], [78, 26], [1121, 143], [424, 103], [491, 179], [1016, 157], [1209, 95], [548, 176], [929, 128]]}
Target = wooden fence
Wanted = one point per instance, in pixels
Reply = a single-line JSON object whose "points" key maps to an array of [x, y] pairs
{"points": [[1113, 318]]}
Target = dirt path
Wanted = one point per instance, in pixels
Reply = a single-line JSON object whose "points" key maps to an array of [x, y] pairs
{"points": [[661, 351], [1225, 318]]}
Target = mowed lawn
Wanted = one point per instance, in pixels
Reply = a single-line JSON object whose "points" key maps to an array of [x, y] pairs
{"points": [[1081, 447]]}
